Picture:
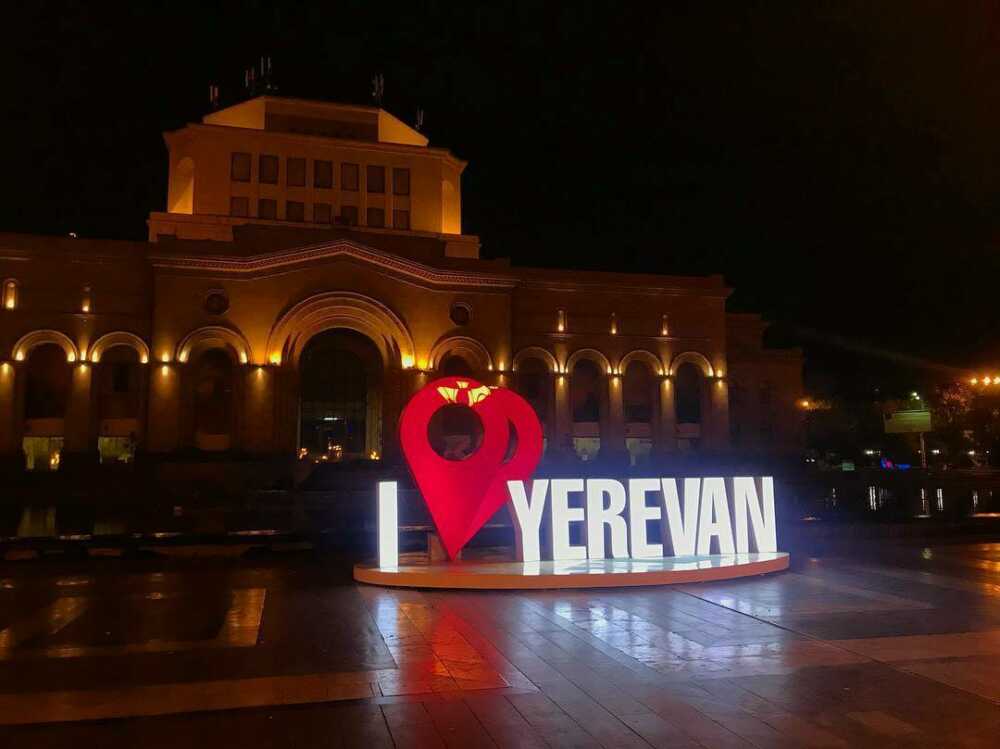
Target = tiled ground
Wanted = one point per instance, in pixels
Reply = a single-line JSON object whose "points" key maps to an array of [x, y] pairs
{"points": [[901, 648]]}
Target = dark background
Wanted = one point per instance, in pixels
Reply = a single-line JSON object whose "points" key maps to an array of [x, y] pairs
{"points": [[837, 161]]}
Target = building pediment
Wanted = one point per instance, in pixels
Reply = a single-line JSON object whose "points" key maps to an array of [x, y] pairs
{"points": [[340, 249]]}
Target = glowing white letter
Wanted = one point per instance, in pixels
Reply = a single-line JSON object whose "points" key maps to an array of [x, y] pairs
{"points": [[527, 517], [683, 530], [388, 525], [598, 516], [638, 513], [714, 518], [747, 501], [562, 516]]}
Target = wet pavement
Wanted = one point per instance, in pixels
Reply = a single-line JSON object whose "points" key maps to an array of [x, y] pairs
{"points": [[894, 647]]}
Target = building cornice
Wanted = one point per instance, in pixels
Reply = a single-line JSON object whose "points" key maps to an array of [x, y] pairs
{"points": [[306, 138], [640, 286], [271, 261]]}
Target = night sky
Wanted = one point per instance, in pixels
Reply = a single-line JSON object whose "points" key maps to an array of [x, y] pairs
{"points": [[838, 162]]}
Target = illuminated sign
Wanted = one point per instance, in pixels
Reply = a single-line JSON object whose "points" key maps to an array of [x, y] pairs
{"points": [[462, 495], [695, 516]]}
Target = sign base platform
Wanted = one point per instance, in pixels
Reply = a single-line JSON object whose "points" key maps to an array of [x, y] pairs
{"points": [[586, 573]]}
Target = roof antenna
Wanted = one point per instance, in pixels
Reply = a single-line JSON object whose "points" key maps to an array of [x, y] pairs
{"points": [[378, 88], [213, 96], [420, 119], [267, 74]]}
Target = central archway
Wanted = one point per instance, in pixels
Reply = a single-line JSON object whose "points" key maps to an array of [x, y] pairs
{"points": [[340, 396]]}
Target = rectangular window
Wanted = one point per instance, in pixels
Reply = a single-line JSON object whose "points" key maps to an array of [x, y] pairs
{"points": [[401, 219], [400, 181], [295, 211], [42, 453], [239, 206], [323, 174], [322, 213], [349, 215], [376, 217], [349, 177], [268, 169], [116, 449], [296, 175], [376, 178], [240, 167], [267, 208]]}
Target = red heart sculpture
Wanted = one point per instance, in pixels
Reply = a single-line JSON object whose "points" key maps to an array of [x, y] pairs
{"points": [[462, 495]]}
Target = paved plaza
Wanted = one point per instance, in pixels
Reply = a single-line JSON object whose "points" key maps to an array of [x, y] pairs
{"points": [[894, 647]]}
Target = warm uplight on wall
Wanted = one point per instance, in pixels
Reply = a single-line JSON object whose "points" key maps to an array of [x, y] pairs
{"points": [[407, 361], [614, 324], [19, 356], [10, 294], [165, 357], [664, 327], [243, 357], [70, 357], [500, 366], [144, 358], [561, 321], [276, 358], [85, 302]]}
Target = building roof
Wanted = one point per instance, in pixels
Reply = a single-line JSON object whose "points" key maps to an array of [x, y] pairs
{"points": [[330, 119]]}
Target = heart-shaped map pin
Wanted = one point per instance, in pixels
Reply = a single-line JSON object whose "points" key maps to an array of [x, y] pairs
{"points": [[462, 495]]}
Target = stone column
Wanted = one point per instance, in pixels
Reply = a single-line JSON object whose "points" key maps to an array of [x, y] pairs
{"points": [[10, 415], [666, 436], [613, 427], [258, 409], [77, 433], [163, 432], [562, 428], [716, 420]]}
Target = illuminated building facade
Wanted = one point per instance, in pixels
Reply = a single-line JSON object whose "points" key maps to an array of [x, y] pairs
{"points": [[310, 274]]}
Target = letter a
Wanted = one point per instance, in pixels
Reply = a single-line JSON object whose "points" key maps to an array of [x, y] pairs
{"points": [[714, 518]]}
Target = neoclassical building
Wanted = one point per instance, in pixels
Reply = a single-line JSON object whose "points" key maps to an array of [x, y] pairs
{"points": [[310, 273]]}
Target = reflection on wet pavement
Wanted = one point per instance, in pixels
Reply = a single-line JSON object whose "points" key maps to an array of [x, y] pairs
{"points": [[901, 649]]}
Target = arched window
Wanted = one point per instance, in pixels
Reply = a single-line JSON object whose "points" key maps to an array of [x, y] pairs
{"points": [[534, 384], [341, 397], [688, 393], [585, 400], [638, 393], [118, 377], [638, 401], [214, 384], [10, 294], [454, 365], [48, 383], [585, 391], [46, 397]]}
